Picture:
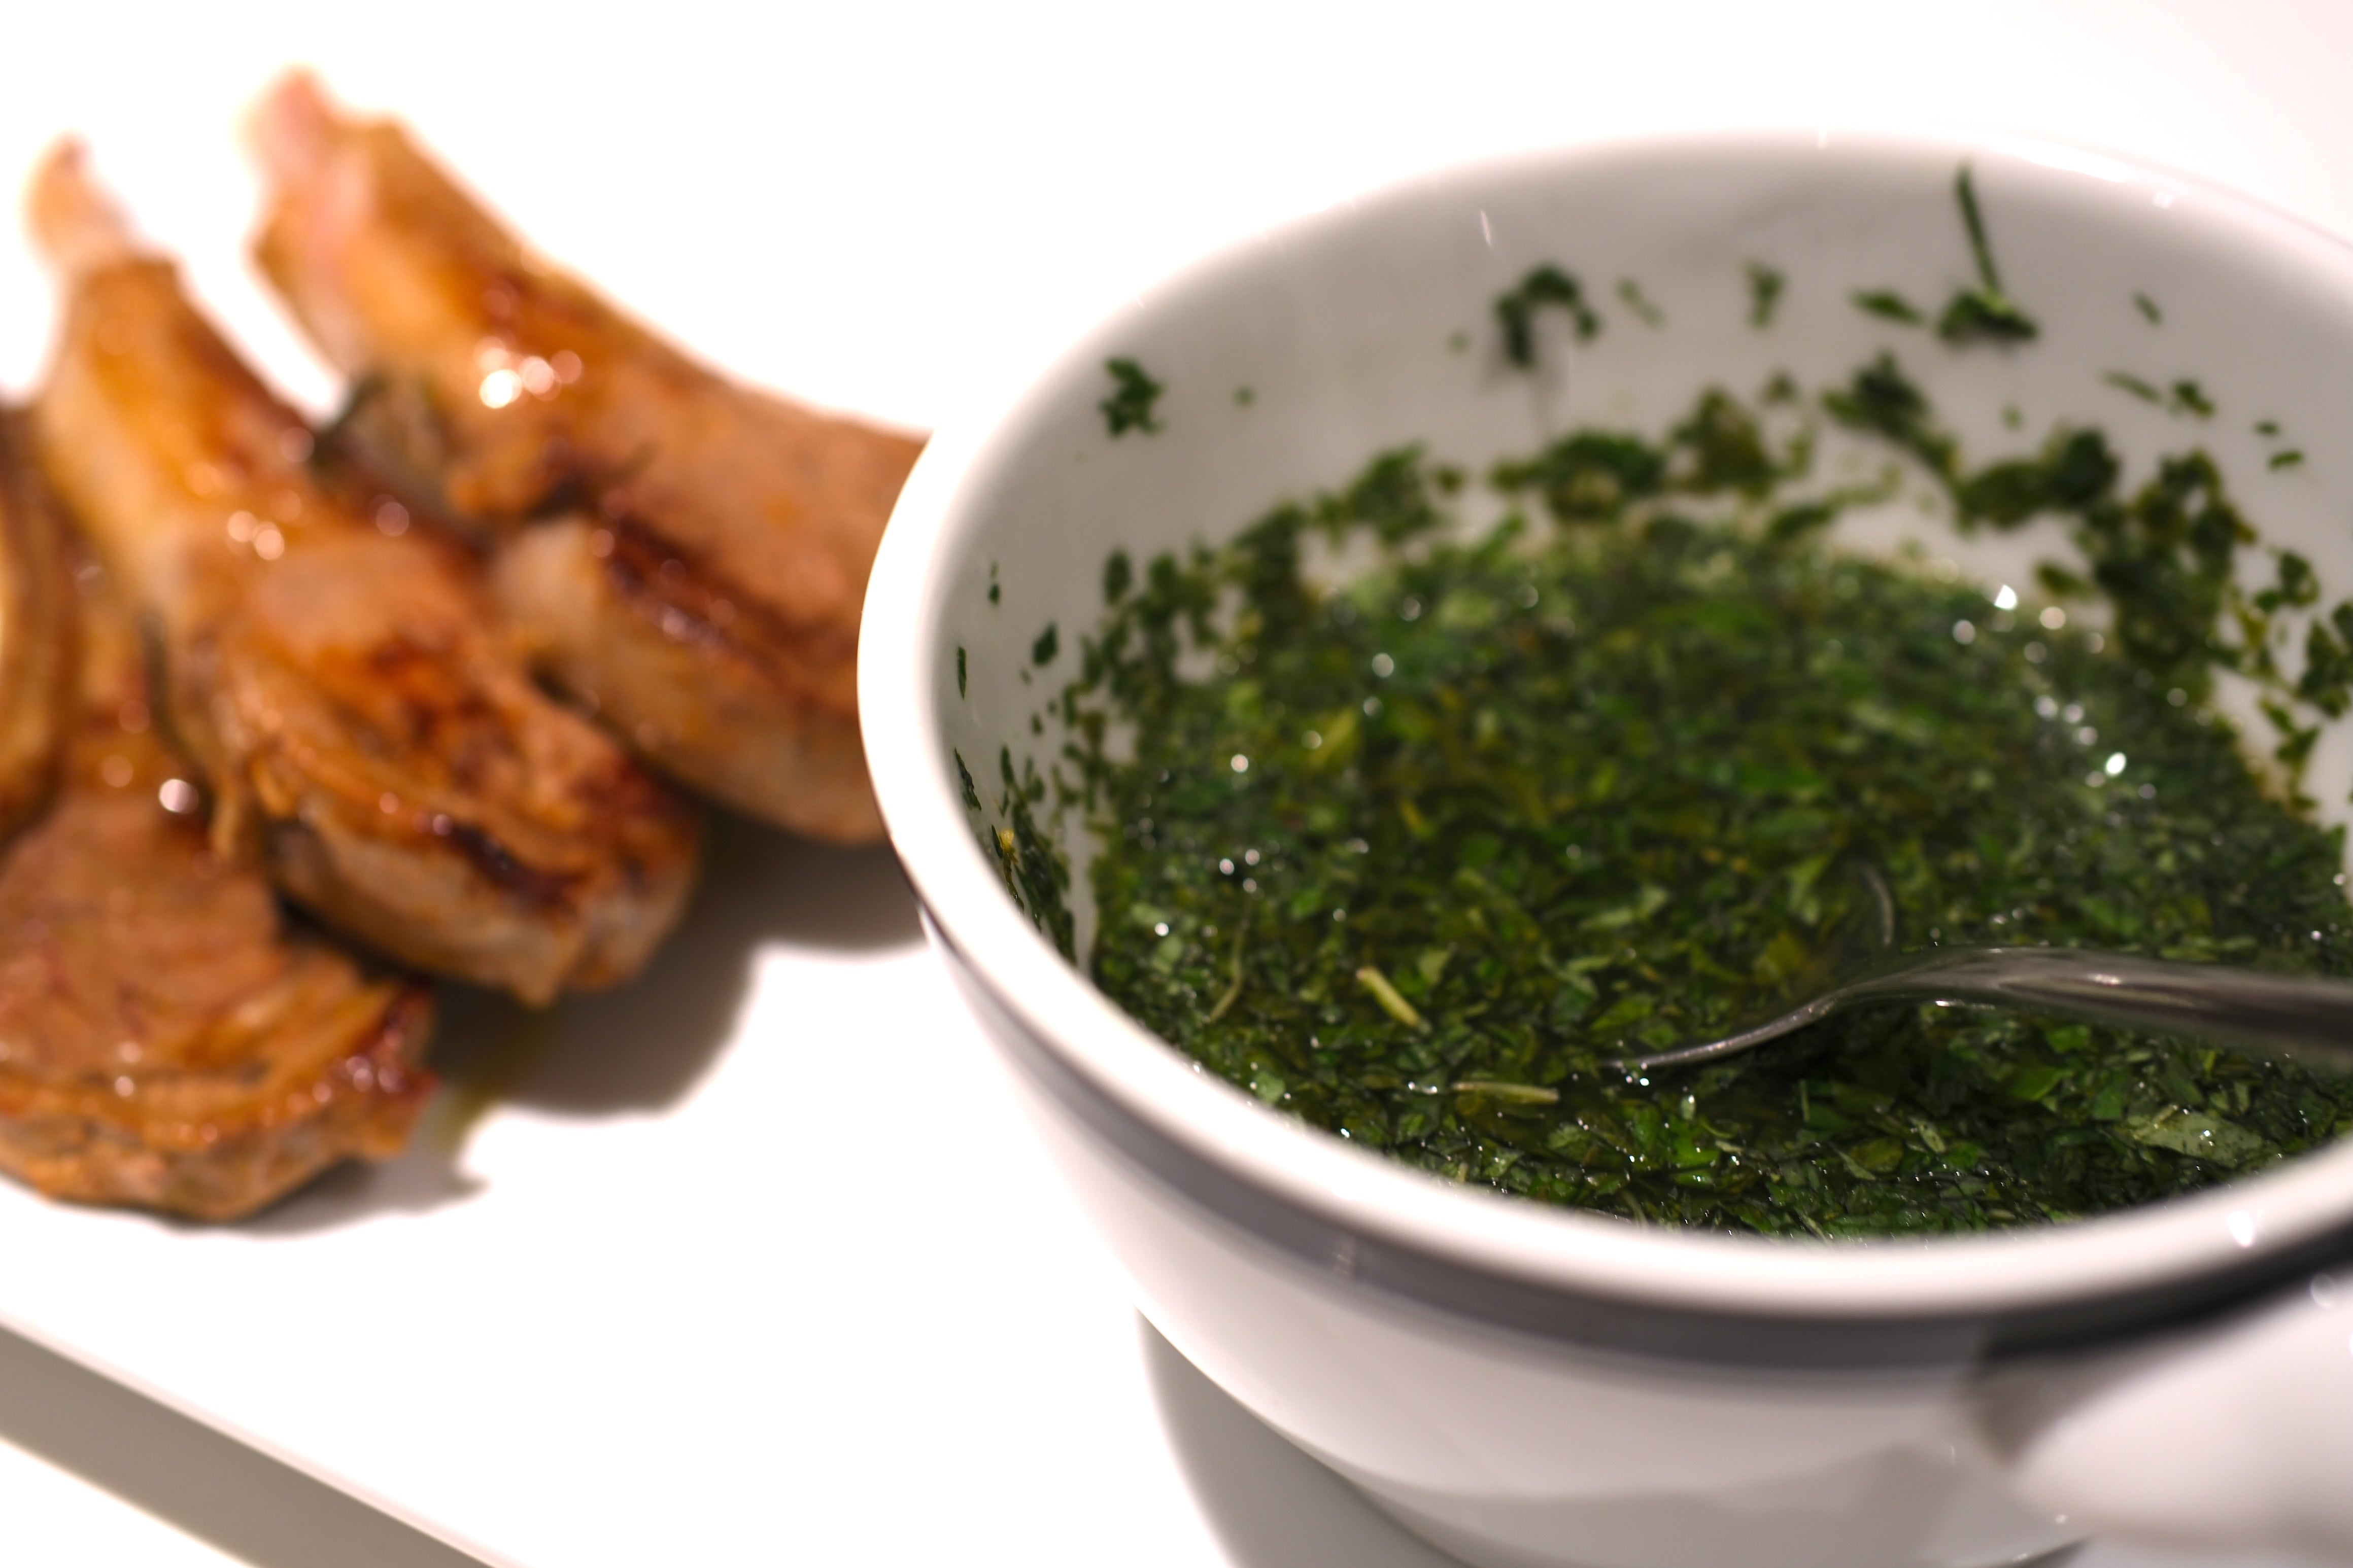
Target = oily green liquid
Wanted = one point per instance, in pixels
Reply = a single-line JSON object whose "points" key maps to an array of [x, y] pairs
{"points": [[1422, 857]]}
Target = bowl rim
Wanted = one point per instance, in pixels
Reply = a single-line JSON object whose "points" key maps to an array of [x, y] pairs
{"points": [[2251, 1230]]}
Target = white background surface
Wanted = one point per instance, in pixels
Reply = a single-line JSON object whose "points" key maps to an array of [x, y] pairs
{"points": [[748, 1264]]}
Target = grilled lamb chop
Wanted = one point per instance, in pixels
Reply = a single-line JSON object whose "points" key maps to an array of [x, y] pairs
{"points": [[163, 1040], [687, 557], [360, 727], [35, 653]]}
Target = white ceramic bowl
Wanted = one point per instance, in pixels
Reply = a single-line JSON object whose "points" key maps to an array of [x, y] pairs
{"points": [[1524, 1385]]}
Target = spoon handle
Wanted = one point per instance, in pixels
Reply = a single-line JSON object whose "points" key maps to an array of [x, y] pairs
{"points": [[2298, 1016]]}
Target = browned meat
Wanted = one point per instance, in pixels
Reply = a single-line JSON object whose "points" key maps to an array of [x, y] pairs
{"points": [[163, 1041], [35, 657], [360, 727], [701, 593]]}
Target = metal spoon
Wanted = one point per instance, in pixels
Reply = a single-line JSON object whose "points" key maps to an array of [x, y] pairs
{"points": [[2268, 1015]]}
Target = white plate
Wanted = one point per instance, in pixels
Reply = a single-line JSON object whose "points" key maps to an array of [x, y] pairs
{"points": [[688, 1295]]}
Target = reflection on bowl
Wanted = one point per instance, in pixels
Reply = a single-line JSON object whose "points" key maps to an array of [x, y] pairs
{"points": [[1519, 1385]]}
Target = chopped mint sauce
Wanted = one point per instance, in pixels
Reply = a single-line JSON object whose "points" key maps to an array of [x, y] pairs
{"points": [[1419, 860]]}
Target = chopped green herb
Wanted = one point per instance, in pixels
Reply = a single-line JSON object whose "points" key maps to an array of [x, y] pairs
{"points": [[1986, 311], [1035, 871], [2190, 398], [1965, 193], [1888, 305], [1129, 406], [1234, 990], [1049, 644], [960, 670], [1391, 1000], [2327, 679], [2073, 471], [1589, 476], [1882, 400], [1640, 303], [2287, 459], [1119, 575], [1510, 1093], [2268, 428], [2298, 585], [1978, 315], [1764, 286], [2148, 307], [2124, 381], [1244, 397], [1516, 311]]}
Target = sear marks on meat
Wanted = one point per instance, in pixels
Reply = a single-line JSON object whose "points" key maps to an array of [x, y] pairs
{"points": [[360, 726], [164, 1041], [685, 555], [614, 620], [35, 653]]}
